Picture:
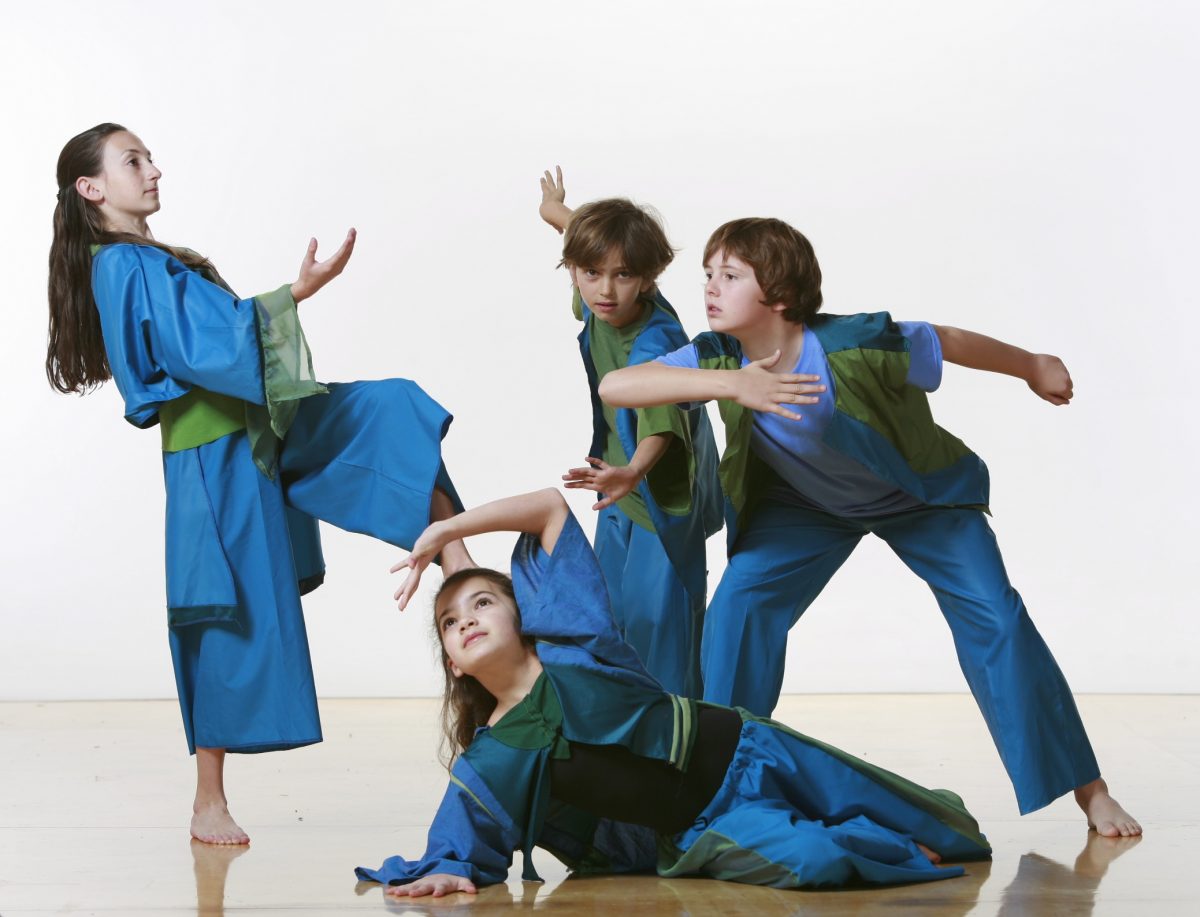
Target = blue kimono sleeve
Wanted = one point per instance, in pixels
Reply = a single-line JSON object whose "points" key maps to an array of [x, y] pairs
{"points": [[471, 836], [563, 598], [168, 329]]}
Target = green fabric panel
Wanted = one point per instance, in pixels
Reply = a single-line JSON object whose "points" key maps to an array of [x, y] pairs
{"points": [[943, 805], [869, 385], [199, 417], [287, 376], [610, 348], [536, 722], [466, 789], [749, 866], [178, 617]]}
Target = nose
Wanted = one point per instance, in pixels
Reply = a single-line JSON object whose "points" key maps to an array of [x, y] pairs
{"points": [[155, 172], [710, 286]]}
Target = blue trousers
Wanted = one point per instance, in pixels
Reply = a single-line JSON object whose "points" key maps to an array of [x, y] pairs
{"points": [[365, 457], [653, 609], [786, 555], [792, 812]]}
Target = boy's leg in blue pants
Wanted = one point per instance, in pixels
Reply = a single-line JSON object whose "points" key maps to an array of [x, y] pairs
{"points": [[654, 611], [1016, 682], [780, 563]]}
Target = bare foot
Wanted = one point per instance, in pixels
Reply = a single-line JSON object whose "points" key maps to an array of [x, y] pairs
{"points": [[932, 855], [1104, 814], [213, 824]]}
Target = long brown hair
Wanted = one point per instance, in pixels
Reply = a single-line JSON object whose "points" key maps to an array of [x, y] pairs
{"points": [[466, 704], [75, 356]]}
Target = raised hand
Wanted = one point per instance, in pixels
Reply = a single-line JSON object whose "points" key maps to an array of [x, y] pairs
{"points": [[554, 194], [614, 481], [430, 542], [1050, 380], [315, 274], [760, 389]]}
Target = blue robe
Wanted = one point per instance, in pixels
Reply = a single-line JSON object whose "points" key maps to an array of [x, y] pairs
{"points": [[791, 811], [241, 538]]}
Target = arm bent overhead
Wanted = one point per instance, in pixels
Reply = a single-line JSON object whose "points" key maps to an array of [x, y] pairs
{"points": [[540, 513]]}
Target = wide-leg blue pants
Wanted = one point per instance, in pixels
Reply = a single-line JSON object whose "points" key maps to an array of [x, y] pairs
{"points": [[793, 812], [366, 457], [652, 607], [786, 555]]}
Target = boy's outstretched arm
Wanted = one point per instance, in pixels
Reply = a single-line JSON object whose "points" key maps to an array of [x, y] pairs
{"points": [[541, 513], [554, 194], [753, 386], [1046, 375], [618, 481]]}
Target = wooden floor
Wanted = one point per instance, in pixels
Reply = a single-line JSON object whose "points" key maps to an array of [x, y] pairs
{"points": [[94, 799]]}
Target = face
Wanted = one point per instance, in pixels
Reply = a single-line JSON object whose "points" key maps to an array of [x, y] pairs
{"points": [[477, 624], [127, 186], [610, 291], [732, 297]]}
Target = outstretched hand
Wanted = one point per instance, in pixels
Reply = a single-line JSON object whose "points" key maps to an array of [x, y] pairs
{"points": [[315, 274], [760, 389], [614, 481], [436, 884], [430, 542], [554, 195], [1050, 379]]}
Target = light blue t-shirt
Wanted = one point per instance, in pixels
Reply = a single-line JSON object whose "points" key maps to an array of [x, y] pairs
{"points": [[815, 474]]}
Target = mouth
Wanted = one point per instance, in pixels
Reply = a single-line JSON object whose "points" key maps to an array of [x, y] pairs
{"points": [[605, 306], [475, 635], [712, 310]]}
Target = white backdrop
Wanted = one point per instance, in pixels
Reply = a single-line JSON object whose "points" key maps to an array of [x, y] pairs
{"points": [[1022, 169]]}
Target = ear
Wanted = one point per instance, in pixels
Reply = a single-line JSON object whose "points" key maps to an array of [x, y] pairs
{"points": [[647, 286], [454, 669], [88, 189], [571, 271], [778, 308]]}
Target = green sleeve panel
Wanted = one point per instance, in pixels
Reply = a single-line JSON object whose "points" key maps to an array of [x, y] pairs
{"points": [[287, 375], [199, 417], [670, 480], [577, 307], [870, 387]]}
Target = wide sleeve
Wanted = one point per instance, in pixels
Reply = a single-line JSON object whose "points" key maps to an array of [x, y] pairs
{"points": [[168, 329], [563, 598], [471, 836]]}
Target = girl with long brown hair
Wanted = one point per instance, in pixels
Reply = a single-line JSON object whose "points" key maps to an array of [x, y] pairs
{"points": [[255, 450], [562, 740]]}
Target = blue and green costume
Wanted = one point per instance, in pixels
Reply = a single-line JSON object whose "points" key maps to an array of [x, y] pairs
{"points": [[785, 544], [651, 543], [255, 450], [790, 812]]}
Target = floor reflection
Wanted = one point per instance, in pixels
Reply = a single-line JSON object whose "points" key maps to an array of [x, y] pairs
{"points": [[210, 863], [1039, 875]]}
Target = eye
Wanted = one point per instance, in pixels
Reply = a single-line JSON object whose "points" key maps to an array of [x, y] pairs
{"points": [[728, 276], [483, 600], [708, 275], [447, 622]]}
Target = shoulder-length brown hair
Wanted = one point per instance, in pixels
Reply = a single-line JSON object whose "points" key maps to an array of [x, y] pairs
{"points": [[75, 356], [466, 704]]}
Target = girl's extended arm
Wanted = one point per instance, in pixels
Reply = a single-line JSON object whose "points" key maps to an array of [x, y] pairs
{"points": [[1045, 374], [753, 386], [618, 481], [541, 513], [553, 209]]}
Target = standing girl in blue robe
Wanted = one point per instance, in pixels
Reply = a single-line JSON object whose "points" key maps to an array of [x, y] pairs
{"points": [[564, 741], [251, 458]]}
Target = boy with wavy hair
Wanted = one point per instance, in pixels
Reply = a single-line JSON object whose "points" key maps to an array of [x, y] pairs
{"points": [[654, 469], [864, 456]]}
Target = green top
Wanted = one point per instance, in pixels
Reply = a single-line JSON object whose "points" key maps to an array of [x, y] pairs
{"points": [[610, 348]]}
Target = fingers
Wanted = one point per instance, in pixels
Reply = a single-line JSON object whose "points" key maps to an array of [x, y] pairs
{"points": [[768, 362], [404, 564], [783, 412], [310, 256], [342, 255], [558, 172]]}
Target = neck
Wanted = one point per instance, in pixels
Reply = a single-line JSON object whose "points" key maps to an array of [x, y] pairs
{"points": [[784, 336], [127, 223], [511, 683]]}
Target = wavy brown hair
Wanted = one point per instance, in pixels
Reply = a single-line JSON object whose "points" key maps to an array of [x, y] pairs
{"points": [[784, 262], [75, 356], [466, 704], [636, 232]]}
